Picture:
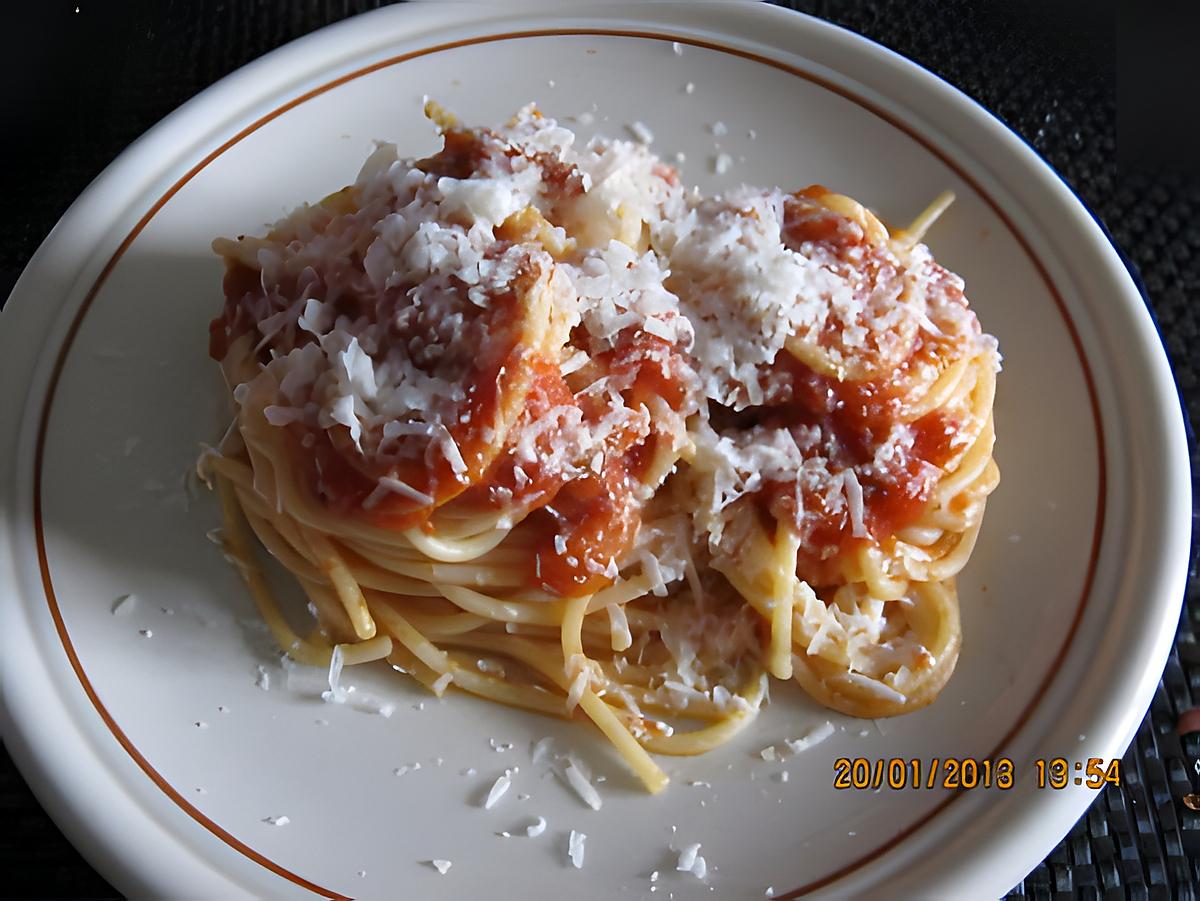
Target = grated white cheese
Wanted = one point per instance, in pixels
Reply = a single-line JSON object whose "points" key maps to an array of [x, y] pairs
{"points": [[618, 625], [641, 133], [536, 828], [579, 782], [813, 737], [741, 289], [387, 485], [542, 748], [442, 866], [372, 704], [854, 502], [575, 848], [277, 821], [579, 670], [687, 858], [498, 790], [576, 361], [336, 694]]}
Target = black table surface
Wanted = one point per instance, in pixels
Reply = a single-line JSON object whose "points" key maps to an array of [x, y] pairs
{"points": [[84, 78]]}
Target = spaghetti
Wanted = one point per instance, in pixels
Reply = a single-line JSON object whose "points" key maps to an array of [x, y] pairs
{"points": [[529, 420]]}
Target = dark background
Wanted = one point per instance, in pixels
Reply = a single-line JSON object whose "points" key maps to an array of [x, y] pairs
{"points": [[1107, 97]]}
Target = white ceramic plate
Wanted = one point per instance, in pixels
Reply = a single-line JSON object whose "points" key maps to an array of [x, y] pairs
{"points": [[1068, 604]]}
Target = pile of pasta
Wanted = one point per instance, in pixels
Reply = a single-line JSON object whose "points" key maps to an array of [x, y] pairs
{"points": [[529, 419]]}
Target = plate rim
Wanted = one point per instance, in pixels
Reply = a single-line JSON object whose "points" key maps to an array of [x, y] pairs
{"points": [[658, 24]]}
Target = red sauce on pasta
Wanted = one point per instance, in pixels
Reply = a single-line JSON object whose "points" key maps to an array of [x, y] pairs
{"points": [[855, 419], [591, 521]]}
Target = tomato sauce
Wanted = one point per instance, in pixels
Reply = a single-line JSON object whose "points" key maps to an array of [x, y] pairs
{"points": [[501, 488], [855, 419], [594, 519], [597, 517], [501, 373]]}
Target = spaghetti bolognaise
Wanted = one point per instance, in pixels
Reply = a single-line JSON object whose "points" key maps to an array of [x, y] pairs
{"points": [[531, 420]]}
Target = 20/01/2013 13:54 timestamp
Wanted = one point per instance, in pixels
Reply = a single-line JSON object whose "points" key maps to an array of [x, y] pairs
{"points": [[969, 773]]}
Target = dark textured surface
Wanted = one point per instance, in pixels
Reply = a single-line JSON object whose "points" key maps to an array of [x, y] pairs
{"points": [[80, 86]]}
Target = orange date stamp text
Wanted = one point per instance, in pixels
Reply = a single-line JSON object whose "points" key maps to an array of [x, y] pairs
{"points": [[967, 773], [915, 772]]}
